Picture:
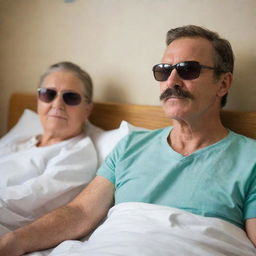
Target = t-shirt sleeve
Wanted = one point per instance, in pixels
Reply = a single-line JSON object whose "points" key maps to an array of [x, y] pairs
{"points": [[250, 203], [107, 169]]}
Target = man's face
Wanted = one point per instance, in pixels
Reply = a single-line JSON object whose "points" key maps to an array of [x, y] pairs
{"points": [[204, 93]]}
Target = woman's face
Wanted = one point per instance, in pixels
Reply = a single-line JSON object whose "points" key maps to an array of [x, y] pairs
{"points": [[60, 120]]}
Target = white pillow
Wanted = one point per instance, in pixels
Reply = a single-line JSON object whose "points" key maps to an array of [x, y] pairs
{"points": [[131, 128], [29, 125], [105, 141]]}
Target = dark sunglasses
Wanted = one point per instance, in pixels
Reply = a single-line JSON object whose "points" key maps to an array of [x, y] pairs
{"points": [[187, 70], [48, 95]]}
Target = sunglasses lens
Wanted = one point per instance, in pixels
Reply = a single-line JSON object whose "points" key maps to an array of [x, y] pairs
{"points": [[46, 95], [72, 98], [188, 70], [162, 72]]}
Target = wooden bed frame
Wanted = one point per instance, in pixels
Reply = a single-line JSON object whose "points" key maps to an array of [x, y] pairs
{"points": [[108, 115]]}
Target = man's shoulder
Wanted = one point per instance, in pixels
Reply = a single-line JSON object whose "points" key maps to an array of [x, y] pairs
{"points": [[244, 142], [149, 134], [244, 139], [143, 137]]}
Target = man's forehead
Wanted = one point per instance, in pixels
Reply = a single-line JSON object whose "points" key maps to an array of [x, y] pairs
{"points": [[188, 48]]}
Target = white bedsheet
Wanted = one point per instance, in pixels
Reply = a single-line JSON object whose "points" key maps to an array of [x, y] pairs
{"points": [[153, 230]]}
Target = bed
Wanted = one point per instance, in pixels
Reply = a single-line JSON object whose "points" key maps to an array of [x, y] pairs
{"points": [[150, 229]]}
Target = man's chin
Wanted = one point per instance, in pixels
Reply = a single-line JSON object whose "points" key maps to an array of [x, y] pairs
{"points": [[174, 110]]}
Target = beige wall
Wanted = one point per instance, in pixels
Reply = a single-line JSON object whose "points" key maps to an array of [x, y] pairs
{"points": [[118, 42]]}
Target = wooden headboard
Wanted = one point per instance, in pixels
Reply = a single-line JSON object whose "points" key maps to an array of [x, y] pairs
{"points": [[109, 115]]}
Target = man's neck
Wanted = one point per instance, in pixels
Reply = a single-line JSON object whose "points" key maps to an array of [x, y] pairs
{"points": [[187, 138]]}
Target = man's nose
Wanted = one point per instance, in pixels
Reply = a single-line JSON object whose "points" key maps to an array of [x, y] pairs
{"points": [[173, 79]]}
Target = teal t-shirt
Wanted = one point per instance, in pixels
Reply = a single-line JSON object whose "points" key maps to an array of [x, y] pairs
{"points": [[216, 181]]}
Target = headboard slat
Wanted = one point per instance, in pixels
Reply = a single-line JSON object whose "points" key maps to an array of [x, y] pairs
{"points": [[18, 102], [109, 115]]}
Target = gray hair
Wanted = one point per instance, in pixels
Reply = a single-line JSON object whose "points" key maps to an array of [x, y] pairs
{"points": [[223, 58], [77, 71]]}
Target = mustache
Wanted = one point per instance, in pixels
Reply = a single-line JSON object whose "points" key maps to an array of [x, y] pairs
{"points": [[175, 91]]}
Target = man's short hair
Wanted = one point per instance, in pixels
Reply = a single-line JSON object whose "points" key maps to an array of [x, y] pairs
{"points": [[224, 57]]}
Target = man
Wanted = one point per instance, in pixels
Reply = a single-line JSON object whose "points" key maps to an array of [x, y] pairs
{"points": [[196, 165]]}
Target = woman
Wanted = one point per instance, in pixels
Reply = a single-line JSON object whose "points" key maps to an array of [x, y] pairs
{"points": [[46, 171]]}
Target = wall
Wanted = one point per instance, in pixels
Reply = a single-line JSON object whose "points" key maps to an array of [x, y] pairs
{"points": [[117, 42]]}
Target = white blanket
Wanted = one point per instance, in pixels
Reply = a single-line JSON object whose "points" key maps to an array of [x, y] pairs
{"points": [[153, 230]]}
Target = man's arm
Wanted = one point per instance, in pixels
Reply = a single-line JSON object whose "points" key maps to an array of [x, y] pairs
{"points": [[250, 226], [72, 221]]}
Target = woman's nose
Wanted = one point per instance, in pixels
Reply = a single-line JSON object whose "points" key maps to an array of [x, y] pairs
{"points": [[58, 101]]}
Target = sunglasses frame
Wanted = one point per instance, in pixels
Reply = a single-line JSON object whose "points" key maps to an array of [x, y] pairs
{"points": [[168, 68], [64, 94]]}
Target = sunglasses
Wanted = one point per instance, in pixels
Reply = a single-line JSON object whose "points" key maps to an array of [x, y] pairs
{"points": [[48, 95], [187, 70]]}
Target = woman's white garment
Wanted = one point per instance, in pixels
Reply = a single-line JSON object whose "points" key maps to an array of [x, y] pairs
{"points": [[35, 180]]}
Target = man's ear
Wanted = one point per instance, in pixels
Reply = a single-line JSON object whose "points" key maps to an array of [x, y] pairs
{"points": [[225, 82]]}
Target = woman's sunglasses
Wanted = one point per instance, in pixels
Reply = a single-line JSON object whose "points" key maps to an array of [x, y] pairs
{"points": [[48, 95], [187, 70]]}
